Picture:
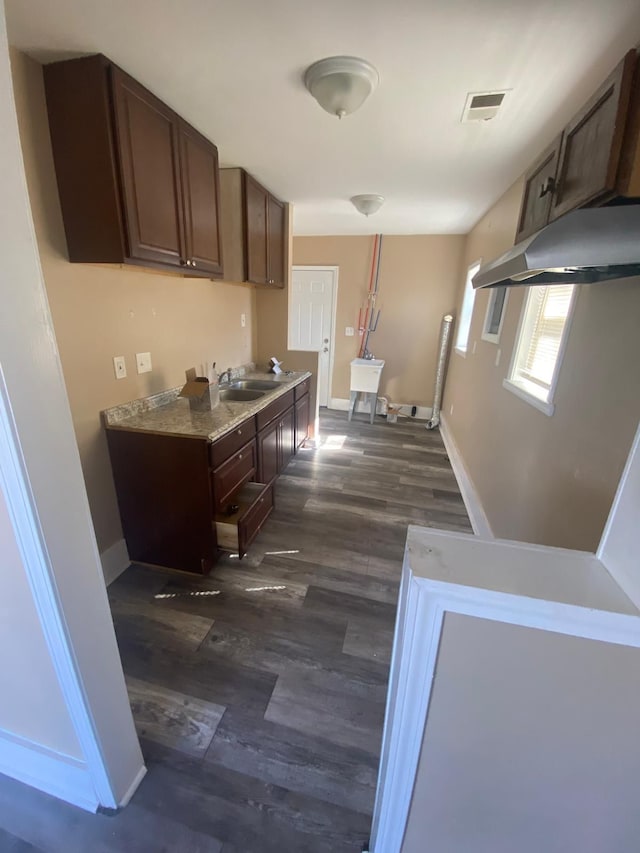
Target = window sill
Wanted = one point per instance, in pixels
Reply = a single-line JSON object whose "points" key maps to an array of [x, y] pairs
{"points": [[517, 389], [460, 351]]}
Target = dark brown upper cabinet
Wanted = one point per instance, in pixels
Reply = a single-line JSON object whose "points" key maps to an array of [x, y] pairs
{"points": [[592, 144], [253, 230], [137, 183], [539, 183], [594, 160]]}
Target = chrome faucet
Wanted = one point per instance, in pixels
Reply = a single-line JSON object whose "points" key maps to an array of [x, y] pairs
{"points": [[224, 373]]}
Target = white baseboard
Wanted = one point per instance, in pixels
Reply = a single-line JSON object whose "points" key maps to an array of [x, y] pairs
{"points": [[114, 561], [60, 775], [133, 787], [341, 404], [475, 510]]}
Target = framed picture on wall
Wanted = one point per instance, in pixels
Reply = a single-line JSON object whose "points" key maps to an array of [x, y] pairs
{"points": [[495, 315]]}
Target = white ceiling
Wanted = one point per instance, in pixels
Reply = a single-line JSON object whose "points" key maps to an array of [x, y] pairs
{"points": [[233, 68]]}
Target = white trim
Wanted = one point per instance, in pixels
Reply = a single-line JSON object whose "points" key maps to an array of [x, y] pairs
{"points": [[55, 773], [518, 388], [115, 560], [472, 502], [488, 336], [460, 351], [334, 314], [422, 607], [33, 551], [133, 787], [341, 404]]}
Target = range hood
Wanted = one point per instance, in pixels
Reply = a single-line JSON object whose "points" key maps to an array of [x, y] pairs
{"points": [[588, 245]]}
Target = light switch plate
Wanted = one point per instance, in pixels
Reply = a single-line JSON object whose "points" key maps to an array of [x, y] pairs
{"points": [[143, 362], [349, 331], [119, 366]]}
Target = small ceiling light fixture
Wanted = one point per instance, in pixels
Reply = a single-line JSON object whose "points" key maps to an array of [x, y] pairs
{"points": [[341, 84], [368, 203]]}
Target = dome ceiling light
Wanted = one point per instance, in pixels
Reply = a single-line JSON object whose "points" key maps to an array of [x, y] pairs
{"points": [[341, 84], [368, 203]]}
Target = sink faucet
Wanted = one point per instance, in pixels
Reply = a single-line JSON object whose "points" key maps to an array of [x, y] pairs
{"points": [[224, 373]]}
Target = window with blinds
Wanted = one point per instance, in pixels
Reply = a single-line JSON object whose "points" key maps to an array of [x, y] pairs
{"points": [[541, 339]]}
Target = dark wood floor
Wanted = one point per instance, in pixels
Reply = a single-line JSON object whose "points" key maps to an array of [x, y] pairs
{"points": [[259, 691]]}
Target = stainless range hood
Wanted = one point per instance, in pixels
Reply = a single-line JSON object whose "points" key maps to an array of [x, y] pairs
{"points": [[593, 244]]}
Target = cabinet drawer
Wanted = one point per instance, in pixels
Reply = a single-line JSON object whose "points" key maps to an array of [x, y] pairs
{"points": [[225, 447], [302, 389], [237, 531], [275, 409], [233, 474]]}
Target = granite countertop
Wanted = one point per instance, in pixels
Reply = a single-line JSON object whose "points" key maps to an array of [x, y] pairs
{"points": [[167, 414]]}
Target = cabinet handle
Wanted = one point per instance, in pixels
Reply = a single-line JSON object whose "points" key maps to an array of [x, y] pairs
{"points": [[188, 263], [239, 455], [193, 263], [548, 187], [239, 432]]}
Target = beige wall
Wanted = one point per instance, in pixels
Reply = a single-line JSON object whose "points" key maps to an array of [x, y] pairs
{"points": [[103, 311], [544, 479], [530, 744], [419, 278], [28, 681]]}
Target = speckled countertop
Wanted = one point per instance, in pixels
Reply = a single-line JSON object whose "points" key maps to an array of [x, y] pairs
{"points": [[168, 414]]}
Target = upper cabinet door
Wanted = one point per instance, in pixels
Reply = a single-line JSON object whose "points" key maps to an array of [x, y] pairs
{"points": [[592, 143], [147, 136], [256, 224], [539, 186], [276, 242], [201, 197]]}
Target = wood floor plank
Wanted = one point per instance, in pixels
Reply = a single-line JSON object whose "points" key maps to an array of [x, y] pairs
{"points": [[182, 722], [304, 763], [365, 638]]}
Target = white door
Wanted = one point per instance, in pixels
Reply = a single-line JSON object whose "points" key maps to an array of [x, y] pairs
{"points": [[312, 307]]}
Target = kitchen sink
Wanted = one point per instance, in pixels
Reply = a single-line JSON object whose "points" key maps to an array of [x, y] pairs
{"points": [[239, 395], [255, 384]]}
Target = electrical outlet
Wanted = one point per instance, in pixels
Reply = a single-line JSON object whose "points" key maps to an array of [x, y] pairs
{"points": [[498, 355], [119, 366], [243, 320], [143, 362], [349, 331]]}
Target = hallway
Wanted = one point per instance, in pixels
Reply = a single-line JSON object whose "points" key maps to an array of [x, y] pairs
{"points": [[259, 692]]}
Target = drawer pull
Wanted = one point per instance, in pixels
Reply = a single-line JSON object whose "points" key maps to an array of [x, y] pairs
{"points": [[239, 432], [261, 500], [239, 455]]}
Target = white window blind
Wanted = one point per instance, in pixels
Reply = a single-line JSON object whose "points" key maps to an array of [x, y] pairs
{"points": [[549, 309], [539, 347]]}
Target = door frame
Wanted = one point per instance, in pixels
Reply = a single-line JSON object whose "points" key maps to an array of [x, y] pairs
{"points": [[334, 309]]}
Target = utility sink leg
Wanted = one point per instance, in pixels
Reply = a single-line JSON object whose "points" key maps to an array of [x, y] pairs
{"points": [[352, 403], [373, 399]]}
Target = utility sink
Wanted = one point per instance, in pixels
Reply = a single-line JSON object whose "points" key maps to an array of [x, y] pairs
{"points": [[365, 374], [255, 384], [239, 395]]}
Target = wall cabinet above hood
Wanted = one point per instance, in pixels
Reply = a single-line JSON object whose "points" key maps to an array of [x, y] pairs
{"points": [[594, 161]]}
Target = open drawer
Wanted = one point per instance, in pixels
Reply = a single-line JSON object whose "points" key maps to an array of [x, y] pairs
{"points": [[237, 531]]}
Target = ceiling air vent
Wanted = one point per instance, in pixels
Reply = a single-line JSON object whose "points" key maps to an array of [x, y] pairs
{"points": [[482, 106]]}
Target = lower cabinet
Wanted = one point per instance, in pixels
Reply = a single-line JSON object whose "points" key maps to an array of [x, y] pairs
{"points": [[237, 529], [182, 499]]}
